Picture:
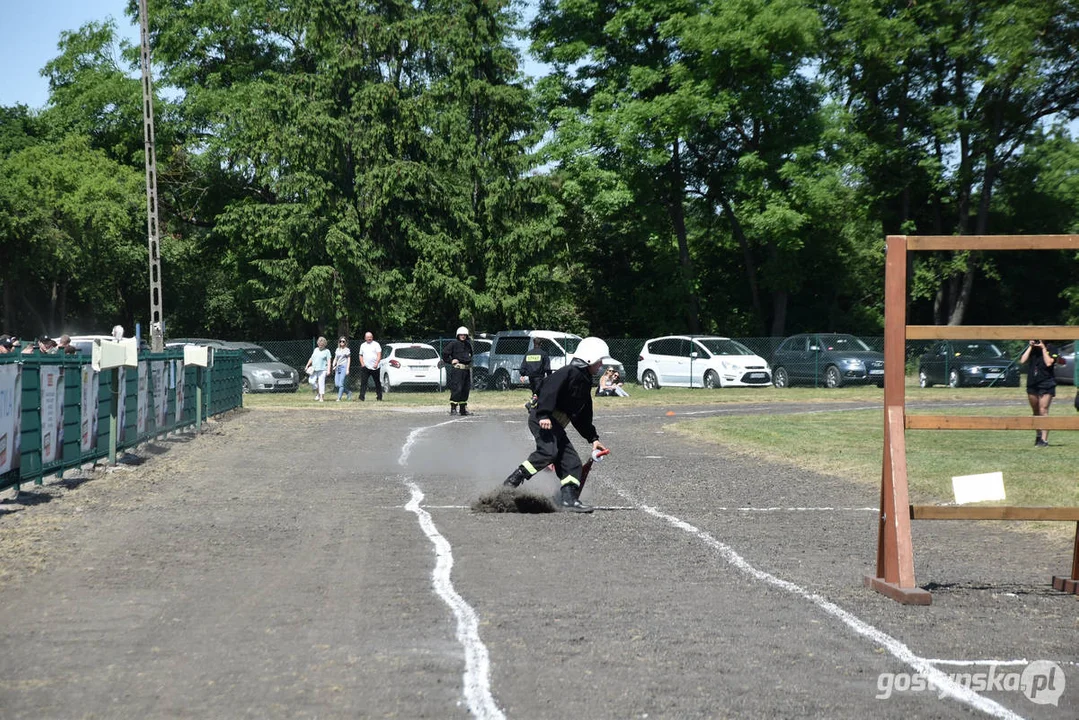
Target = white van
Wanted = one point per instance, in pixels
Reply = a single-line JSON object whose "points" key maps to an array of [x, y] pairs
{"points": [[700, 361]]}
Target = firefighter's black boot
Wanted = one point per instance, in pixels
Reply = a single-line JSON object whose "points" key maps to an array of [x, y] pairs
{"points": [[464, 410], [570, 499], [453, 408], [517, 477]]}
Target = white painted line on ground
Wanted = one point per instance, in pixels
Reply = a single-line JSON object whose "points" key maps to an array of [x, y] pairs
{"points": [[978, 663], [477, 675], [477, 678], [411, 440], [945, 685]]}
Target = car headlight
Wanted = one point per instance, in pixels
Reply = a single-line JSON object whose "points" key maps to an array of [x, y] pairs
{"points": [[974, 370], [264, 374], [853, 364]]}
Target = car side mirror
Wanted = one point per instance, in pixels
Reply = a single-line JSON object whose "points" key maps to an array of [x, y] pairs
{"points": [[814, 348], [693, 354]]}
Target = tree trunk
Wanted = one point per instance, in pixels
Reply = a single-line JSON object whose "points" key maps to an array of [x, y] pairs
{"points": [[750, 261], [779, 313], [676, 211]]}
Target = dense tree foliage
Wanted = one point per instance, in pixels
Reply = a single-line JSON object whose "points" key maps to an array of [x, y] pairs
{"points": [[727, 166]]}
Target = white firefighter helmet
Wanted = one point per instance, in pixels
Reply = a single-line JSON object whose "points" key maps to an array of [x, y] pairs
{"points": [[462, 330], [592, 350]]}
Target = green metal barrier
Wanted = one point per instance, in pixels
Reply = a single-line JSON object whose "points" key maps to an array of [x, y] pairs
{"points": [[44, 429]]}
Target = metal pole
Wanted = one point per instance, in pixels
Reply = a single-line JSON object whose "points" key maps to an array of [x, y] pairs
{"points": [[157, 339], [114, 410]]}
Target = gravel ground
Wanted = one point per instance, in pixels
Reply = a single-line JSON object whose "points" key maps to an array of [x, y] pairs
{"points": [[272, 568]]}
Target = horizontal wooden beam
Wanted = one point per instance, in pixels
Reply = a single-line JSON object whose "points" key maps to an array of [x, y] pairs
{"points": [[992, 332], [993, 242], [987, 512], [992, 422]]}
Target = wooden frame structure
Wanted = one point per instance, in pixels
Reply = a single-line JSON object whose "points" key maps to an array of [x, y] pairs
{"points": [[895, 554]]}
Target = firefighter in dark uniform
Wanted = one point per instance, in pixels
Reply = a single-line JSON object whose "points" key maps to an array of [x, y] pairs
{"points": [[564, 398], [457, 354], [536, 366]]}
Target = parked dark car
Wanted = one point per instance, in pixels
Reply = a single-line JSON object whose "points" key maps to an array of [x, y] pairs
{"points": [[827, 359], [960, 363]]}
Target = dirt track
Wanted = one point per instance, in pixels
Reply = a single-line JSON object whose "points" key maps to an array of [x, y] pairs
{"points": [[271, 569]]}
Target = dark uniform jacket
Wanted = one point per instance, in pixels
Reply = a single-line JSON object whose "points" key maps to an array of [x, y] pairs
{"points": [[566, 397], [536, 365], [459, 350]]}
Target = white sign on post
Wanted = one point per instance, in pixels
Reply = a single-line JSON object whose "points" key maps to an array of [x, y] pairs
{"points": [[10, 416], [88, 425]]}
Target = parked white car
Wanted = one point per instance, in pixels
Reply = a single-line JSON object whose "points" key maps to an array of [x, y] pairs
{"points": [[700, 361], [411, 364]]}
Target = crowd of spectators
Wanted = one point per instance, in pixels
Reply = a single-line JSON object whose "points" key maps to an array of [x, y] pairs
{"points": [[44, 345]]}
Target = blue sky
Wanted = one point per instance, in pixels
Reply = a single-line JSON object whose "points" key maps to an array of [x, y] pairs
{"points": [[29, 31]]}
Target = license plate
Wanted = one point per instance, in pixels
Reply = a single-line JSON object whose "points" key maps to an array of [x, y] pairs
{"points": [[284, 382], [876, 372], [418, 368], [757, 376], [992, 376]]}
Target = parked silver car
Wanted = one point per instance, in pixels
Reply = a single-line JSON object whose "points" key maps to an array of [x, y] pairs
{"points": [[262, 371]]}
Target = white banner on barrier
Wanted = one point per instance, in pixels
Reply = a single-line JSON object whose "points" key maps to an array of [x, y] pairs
{"points": [[161, 393], [121, 410], [178, 381], [144, 397], [10, 416], [52, 413], [88, 424]]}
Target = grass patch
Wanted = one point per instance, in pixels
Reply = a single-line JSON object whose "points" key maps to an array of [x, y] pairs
{"points": [[850, 445], [639, 397]]}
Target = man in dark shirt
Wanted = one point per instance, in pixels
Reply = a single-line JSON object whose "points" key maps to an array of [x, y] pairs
{"points": [[536, 366], [457, 354]]}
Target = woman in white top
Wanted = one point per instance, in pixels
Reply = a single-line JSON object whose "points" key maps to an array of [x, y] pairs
{"points": [[317, 367]]}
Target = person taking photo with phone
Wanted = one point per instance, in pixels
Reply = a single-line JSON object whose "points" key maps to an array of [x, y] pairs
{"points": [[1041, 384]]}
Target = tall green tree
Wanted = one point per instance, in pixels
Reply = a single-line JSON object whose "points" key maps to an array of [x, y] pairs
{"points": [[946, 94]]}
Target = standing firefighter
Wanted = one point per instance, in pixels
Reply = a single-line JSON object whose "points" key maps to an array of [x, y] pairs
{"points": [[536, 366], [457, 354], [565, 397]]}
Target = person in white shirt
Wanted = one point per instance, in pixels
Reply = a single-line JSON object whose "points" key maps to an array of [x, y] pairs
{"points": [[370, 356], [342, 363]]}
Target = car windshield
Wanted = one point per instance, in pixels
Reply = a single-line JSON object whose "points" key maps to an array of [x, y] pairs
{"points": [[258, 355], [976, 350], [416, 353], [843, 343], [718, 346]]}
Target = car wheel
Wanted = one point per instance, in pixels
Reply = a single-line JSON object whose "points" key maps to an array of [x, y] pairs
{"points": [[479, 380], [780, 378], [923, 379], [649, 381], [954, 380], [832, 377], [386, 387], [247, 386], [502, 380], [711, 380]]}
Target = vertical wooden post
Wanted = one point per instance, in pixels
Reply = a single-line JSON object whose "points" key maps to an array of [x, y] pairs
{"points": [[895, 553]]}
